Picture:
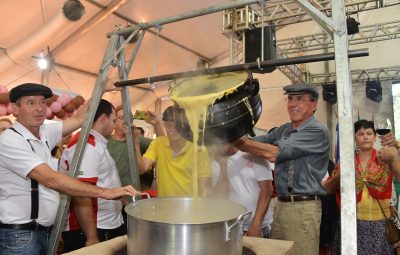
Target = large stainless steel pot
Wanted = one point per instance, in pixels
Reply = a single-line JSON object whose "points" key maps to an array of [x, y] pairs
{"points": [[185, 226]]}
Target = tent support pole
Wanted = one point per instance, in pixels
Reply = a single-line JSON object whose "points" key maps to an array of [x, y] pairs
{"points": [[126, 107], [346, 132]]}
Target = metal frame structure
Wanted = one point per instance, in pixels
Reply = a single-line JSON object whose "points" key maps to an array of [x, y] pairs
{"points": [[297, 73], [288, 12], [370, 33], [336, 26], [361, 75], [235, 22], [297, 46]]}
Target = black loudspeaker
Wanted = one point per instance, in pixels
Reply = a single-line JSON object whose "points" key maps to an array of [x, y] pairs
{"points": [[329, 93], [252, 46], [352, 26], [373, 90]]}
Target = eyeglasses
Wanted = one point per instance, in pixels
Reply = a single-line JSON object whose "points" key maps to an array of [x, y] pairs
{"points": [[297, 100]]}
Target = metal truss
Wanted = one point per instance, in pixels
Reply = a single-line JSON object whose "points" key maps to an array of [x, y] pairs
{"points": [[236, 49], [285, 12], [298, 45], [383, 74], [288, 12], [367, 34], [295, 73]]}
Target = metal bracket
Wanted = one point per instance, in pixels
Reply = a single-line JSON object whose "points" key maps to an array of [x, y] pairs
{"points": [[326, 23]]}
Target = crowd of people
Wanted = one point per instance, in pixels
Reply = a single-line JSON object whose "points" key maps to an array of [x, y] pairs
{"points": [[281, 177]]}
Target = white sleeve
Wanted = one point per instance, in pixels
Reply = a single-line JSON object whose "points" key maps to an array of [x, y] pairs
{"points": [[393, 199], [215, 172], [90, 163], [325, 177], [262, 169], [54, 133]]}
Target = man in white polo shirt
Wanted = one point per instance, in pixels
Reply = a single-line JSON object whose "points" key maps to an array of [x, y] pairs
{"points": [[93, 220], [247, 180], [29, 185]]}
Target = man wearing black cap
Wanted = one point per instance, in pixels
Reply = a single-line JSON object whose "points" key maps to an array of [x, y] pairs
{"points": [[29, 183], [300, 150], [175, 161]]}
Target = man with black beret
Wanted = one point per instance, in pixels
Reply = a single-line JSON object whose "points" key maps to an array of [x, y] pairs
{"points": [[29, 89], [300, 151], [29, 182]]}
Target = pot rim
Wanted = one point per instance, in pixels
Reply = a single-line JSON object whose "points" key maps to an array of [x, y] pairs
{"points": [[131, 206]]}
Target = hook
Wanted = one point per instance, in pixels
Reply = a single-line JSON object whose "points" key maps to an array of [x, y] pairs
{"points": [[259, 65], [158, 28]]}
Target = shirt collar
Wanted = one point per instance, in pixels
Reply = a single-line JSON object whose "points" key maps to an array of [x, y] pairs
{"points": [[183, 150], [309, 121], [98, 137], [25, 132]]}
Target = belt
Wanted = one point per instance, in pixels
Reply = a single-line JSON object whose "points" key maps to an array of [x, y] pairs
{"points": [[297, 198], [34, 226]]}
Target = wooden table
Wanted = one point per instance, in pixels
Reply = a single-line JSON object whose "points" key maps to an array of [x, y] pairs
{"points": [[263, 246], [260, 246]]}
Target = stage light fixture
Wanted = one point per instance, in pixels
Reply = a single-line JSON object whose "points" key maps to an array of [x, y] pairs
{"points": [[329, 92], [43, 63], [373, 90], [73, 10], [352, 26]]}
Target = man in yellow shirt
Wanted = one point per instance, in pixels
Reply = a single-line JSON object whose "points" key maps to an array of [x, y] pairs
{"points": [[176, 160]]}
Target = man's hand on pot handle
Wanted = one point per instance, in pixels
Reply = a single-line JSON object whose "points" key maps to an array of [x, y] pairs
{"points": [[117, 193]]}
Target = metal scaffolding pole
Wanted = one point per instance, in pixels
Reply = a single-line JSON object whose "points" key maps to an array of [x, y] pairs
{"points": [[346, 141], [240, 67], [345, 111], [63, 207], [126, 107]]}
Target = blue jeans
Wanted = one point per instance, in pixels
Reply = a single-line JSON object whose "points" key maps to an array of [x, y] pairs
{"points": [[23, 242]]}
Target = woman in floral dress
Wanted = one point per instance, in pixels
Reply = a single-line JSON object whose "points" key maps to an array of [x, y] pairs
{"points": [[374, 174]]}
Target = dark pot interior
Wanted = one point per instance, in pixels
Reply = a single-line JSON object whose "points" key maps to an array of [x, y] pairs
{"points": [[228, 118]]}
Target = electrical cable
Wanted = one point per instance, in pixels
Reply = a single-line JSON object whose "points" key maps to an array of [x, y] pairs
{"points": [[42, 9], [22, 76], [63, 81]]}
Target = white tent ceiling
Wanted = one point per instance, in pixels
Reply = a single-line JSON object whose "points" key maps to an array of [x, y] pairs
{"points": [[22, 17], [77, 60]]}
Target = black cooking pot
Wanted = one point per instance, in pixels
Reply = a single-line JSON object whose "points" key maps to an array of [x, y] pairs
{"points": [[229, 118]]}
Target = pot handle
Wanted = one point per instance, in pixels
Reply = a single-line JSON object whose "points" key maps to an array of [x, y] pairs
{"points": [[140, 194], [239, 221]]}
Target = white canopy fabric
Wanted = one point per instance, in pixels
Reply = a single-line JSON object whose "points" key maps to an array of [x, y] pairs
{"points": [[78, 48]]}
